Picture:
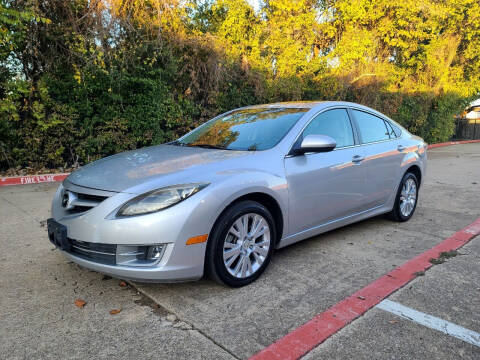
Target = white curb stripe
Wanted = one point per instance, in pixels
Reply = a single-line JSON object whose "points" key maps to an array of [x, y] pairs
{"points": [[431, 322]]}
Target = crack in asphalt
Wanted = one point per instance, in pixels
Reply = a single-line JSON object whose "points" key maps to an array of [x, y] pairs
{"points": [[20, 209]]}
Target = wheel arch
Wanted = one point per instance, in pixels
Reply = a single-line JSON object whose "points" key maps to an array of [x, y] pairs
{"points": [[415, 170], [266, 200]]}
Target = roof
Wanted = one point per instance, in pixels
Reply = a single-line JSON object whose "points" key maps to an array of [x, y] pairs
{"points": [[302, 104], [317, 105]]}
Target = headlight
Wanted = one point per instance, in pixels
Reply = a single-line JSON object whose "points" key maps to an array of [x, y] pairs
{"points": [[159, 199]]}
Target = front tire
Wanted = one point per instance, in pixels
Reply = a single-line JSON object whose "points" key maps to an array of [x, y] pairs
{"points": [[241, 244], [406, 199]]}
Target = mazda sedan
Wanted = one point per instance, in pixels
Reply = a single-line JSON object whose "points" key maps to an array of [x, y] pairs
{"points": [[220, 199]]}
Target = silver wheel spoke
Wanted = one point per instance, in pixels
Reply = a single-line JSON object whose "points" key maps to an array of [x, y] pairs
{"points": [[244, 266], [259, 228], [235, 232], [249, 265], [260, 251], [263, 243], [257, 220], [258, 258], [239, 265], [260, 232], [231, 255], [240, 228], [408, 197]]}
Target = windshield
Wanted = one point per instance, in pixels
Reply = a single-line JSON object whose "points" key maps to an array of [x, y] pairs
{"points": [[245, 129]]}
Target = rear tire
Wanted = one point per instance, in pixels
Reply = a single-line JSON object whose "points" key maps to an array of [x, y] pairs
{"points": [[241, 243], [406, 199]]}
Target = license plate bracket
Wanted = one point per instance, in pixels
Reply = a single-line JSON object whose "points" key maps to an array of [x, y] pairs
{"points": [[57, 233]]}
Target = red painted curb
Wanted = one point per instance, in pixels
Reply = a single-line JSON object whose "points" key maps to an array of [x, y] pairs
{"points": [[305, 338], [448, 143], [32, 179]]}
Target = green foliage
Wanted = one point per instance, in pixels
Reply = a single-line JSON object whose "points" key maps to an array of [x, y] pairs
{"points": [[80, 80], [439, 126]]}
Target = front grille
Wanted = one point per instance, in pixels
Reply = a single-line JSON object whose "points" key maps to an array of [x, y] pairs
{"points": [[101, 253], [78, 209], [90, 197], [79, 202]]}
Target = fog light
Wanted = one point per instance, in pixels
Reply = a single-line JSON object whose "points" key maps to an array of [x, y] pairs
{"points": [[139, 255], [154, 252]]}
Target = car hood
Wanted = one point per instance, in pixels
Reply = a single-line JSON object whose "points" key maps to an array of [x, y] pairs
{"points": [[125, 170]]}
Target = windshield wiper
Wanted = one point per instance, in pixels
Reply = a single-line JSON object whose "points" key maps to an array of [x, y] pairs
{"points": [[176, 143], [208, 146]]}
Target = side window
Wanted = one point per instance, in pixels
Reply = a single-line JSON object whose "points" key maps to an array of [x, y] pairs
{"points": [[396, 130], [371, 127], [334, 123], [391, 132]]}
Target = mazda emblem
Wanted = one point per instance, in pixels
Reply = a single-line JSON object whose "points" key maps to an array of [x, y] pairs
{"points": [[65, 200]]}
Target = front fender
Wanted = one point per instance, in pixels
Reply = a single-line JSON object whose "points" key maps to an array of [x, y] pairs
{"points": [[234, 186]]}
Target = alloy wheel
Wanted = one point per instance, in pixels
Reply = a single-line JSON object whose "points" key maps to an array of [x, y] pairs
{"points": [[246, 245], [408, 197]]}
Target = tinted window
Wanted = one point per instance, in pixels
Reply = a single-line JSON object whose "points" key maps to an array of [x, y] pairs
{"points": [[246, 129], [390, 130], [396, 129], [372, 128], [334, 123]]}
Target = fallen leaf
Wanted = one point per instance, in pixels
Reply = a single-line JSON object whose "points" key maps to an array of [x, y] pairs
{"points": [[393, 321], [122, 283], [80, 303], [115, 311]]}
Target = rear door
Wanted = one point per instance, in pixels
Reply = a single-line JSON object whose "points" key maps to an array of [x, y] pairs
{"points": [[383, 156], [326, 186]]}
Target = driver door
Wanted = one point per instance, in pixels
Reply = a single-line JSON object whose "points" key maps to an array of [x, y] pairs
{"points": [[326, 186]]}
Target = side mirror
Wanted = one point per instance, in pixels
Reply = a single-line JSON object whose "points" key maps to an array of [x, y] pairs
{"points": [[315, 143]]}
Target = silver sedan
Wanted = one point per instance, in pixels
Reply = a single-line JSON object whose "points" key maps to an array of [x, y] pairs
{"points": [[220, 199]]}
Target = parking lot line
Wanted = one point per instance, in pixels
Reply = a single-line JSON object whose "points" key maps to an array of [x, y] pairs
{"points": [[430, 321], [311, 334]]}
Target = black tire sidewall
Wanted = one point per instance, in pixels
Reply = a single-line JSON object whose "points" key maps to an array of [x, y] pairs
{"points": [[216, 266]]}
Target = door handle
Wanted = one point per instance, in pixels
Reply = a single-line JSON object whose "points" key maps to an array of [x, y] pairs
{"points": [[401, 148], [357, 159]]}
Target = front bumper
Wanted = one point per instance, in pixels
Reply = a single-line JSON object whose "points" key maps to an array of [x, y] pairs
{"points": [[170, 228], [156, 274]]}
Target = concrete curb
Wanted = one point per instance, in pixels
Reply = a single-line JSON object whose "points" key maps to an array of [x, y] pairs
{"points": [[32, 179], [449, 143], [45, 178]]}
